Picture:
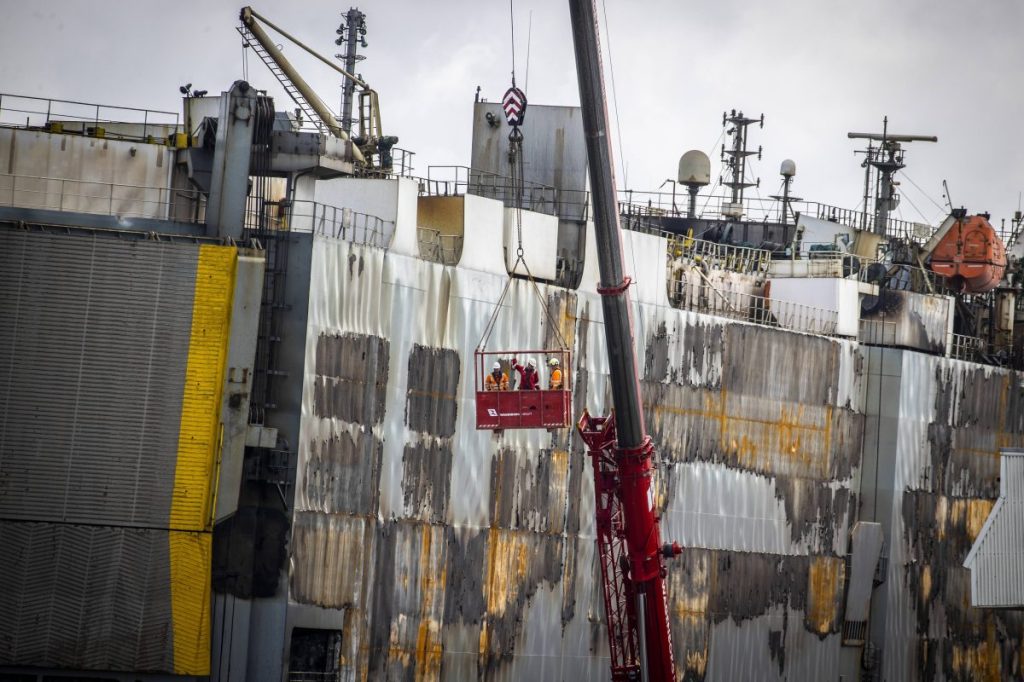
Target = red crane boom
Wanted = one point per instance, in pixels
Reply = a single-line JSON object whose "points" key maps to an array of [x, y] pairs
{"points": [[628, 538]]}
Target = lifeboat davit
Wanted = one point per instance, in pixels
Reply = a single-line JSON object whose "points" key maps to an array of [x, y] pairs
{"points": [[970, 256]]}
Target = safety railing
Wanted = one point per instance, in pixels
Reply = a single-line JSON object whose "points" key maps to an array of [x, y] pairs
{"points": [[438, 247], [329, 221], [963, 347], [741, 259], [635, 205], [535, 196], [401, 162], [702, 297], [101, 198], [98, 120], [817, 260], [461, 180]]}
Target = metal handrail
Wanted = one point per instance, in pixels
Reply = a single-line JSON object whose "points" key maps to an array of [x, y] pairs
{"points": [[964, 347], [535, 196], [741, 259], [760, 310], [438, 247], [325, 220], [660, 204], [39, 112], [95, 197]]}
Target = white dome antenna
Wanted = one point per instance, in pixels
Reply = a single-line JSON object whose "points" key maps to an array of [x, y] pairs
{"points": [[694, 172]]}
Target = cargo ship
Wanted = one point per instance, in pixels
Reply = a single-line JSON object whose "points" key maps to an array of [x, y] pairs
{"points": [[240, 368]]}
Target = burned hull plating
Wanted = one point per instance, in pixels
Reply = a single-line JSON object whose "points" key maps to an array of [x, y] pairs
{"points": [[447, 552]]}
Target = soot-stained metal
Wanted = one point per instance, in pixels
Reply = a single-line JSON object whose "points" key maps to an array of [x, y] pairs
{"points": [[426, 479], [483, 564], [351, 377], [433, 378], [342, 473]]}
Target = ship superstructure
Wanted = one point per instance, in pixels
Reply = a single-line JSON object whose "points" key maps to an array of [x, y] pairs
{"points": [[238, 418]]}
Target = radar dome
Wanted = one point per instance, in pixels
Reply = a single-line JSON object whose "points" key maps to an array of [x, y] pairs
{"points": [[788, 168], [694, 168]]}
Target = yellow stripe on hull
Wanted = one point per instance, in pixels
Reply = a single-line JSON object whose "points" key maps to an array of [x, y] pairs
{"points": [[198, 451]]}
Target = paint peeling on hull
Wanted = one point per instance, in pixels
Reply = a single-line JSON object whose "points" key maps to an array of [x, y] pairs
{"points": [[475, 559]]}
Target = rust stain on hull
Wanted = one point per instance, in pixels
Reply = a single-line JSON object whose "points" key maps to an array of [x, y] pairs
{"points": [[824, 590]]}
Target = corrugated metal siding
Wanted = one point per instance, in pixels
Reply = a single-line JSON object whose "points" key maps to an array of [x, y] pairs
{"points": [[476, 558], [96, 461], [92, 365], [84, 597]]}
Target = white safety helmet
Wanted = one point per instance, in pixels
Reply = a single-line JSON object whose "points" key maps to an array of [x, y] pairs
{"points": [[531, 363], [553, 362], [496, 366]]}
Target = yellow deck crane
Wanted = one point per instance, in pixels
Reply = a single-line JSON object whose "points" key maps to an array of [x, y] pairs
{"points": [[371, 148]]}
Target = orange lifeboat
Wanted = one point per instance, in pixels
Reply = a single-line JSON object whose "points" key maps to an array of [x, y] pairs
{"points": [[970, 256]]}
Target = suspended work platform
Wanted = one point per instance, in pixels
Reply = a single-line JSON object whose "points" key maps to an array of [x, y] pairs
{"points": [[506, 402]]}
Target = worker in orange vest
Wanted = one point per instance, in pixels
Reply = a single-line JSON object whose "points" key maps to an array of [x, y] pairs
{"points": [[555, 380], [496, 380]]}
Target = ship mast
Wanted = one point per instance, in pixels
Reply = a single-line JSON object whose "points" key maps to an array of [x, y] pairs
{"points": [[886, 158], [734, 159], [352, 32]]}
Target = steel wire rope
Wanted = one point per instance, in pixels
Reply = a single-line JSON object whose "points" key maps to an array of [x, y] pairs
{"points": [[941, 208], [919, 189], [615, 95], [919, 212], [516, 161], [708, 198], [622, 156]]}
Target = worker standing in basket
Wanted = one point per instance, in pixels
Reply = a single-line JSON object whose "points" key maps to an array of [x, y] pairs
{"points": [[496, 380], [529, 380], [555, 380]]}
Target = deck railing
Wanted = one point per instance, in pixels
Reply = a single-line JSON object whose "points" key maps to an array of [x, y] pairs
{"points": [[727, 257], [327, 221], [101, 198], [538, 197], [964, 347], [98, 120], [752, 308], [438, 247], [757, 209]]}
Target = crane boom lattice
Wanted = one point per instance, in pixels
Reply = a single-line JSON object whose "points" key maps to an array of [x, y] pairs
{"points": [[301, 102]]}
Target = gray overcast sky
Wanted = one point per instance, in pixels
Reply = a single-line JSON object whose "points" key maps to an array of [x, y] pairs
{"points": [[816, 68]]}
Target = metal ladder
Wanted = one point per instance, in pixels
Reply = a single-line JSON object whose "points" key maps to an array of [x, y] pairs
{"points": [[286, 83]]}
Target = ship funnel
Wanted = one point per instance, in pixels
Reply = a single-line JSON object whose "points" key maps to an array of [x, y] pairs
{"points": [[694, 169], [788, 168]]}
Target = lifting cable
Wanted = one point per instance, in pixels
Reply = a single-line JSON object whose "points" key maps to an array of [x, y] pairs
{"points": [[514, 106]]}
